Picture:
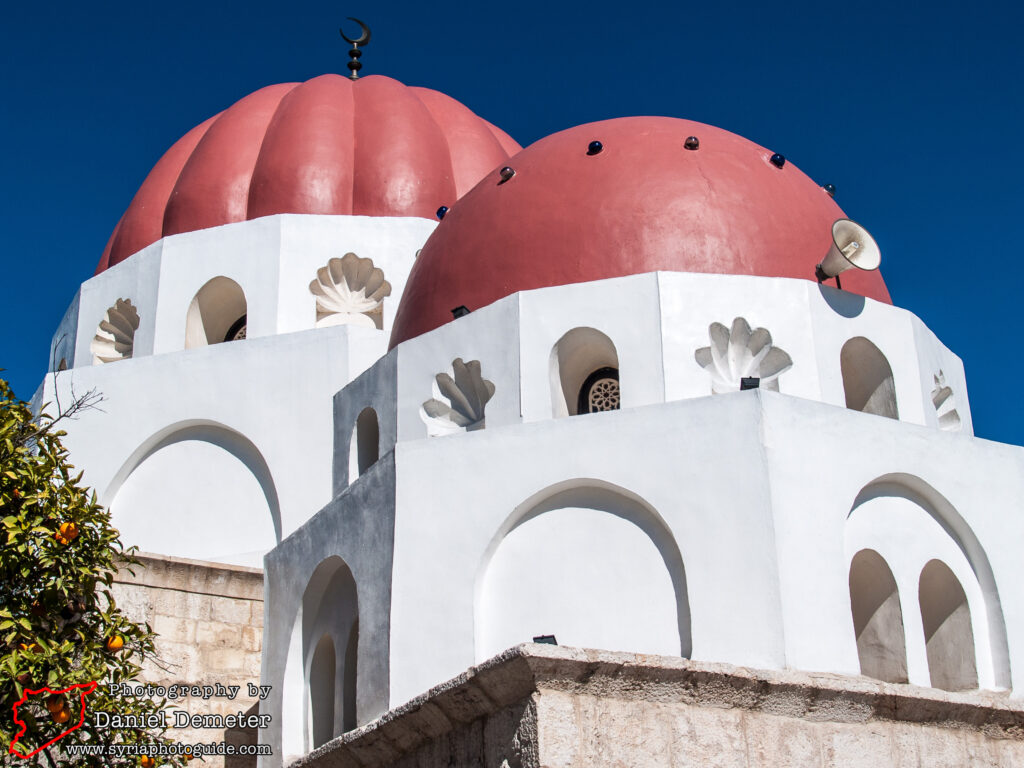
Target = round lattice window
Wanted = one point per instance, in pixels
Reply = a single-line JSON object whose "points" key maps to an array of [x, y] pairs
{"points": [[237, 330], [600, 392]]}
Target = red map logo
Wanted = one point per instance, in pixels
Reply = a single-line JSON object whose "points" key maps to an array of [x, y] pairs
{"points": [[84, 689]]}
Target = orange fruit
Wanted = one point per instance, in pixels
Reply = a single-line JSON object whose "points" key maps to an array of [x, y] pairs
{"points": [[55, 703], [67, 533], [115, 643], [61, 716], [146, 761]]}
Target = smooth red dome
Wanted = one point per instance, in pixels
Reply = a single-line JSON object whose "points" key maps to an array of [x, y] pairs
{"points": [[371, 147], [643, 203]]}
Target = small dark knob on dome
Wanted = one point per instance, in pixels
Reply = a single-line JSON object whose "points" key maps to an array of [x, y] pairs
{"points": [[830, 188], [506, 173], [442, 211], [692, 142], [777, 160], [594, 147]]}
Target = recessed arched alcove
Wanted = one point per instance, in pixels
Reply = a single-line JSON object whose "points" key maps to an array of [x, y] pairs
{"points": [[589, 562], [330, 609], [946, 619], [321, 691], [877, 618], [867, 379], [231, 495], [218, 313], [364, 447], [584, 373], [935, 556]]}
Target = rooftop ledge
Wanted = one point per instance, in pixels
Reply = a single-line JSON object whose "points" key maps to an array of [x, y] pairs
{"points": [[561, 698]]}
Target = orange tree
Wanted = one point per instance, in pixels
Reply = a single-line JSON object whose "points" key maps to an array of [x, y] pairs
{"points": [[59, 623]]}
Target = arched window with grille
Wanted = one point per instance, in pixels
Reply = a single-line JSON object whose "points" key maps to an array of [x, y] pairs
{"points": [[584, 373]]}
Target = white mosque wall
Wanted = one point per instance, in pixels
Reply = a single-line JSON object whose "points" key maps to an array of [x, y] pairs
{"points": [[651, 326], [842, 482], [628, 486], [720, 527], [259, 410], [355, 530], [62, 345], [273, 259], [656, 324]]}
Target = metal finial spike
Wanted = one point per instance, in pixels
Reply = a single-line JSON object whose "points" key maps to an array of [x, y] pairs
{"points": [[355, 65]]}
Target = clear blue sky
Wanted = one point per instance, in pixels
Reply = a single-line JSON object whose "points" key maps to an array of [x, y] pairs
{"points": [[914, 111]]}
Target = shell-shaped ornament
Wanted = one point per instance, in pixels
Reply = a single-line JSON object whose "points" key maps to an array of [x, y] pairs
{"points": [[115, 336], [945, 404], [737, 353], [467, 393], [350, 291]]}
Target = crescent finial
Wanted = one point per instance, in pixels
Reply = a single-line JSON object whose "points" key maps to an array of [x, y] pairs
{"points": [[363, 39], [355, 65]]}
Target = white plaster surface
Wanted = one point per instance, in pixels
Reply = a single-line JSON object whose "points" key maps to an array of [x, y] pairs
{"points": [[581, 575], [273, 259], [267, 401], [193, 498]]}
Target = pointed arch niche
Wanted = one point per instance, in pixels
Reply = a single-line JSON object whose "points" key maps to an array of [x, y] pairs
{"points": [[589, 562], [877, 618], [584, 373], [867, 379], [218, 313]]}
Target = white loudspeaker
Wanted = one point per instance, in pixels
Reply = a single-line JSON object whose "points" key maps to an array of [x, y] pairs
{"points": [[852, 246]]}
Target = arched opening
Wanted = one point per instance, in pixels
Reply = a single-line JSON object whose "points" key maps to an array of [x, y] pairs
{"points": [[590, 563], [321, 691], [949, 639], [877, 618], [364, 448], [584, 373], [867, 379], [330, 609], [231, 496], [217, 313], [911, 524]]}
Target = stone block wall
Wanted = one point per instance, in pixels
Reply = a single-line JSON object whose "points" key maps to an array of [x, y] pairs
{"points": [[209, 618], [541, 706]]}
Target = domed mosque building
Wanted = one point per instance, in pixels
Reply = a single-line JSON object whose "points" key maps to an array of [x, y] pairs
{"points": [[639, 388]]}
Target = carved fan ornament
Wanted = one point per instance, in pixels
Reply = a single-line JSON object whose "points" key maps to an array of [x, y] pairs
{"points": [[115, 337], [945, 404], [350, 290], [737, 353], [467, 392]]}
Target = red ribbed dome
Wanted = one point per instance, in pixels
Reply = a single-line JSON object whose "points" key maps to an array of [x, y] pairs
{"points": [[641, 204], [372, 147]]}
